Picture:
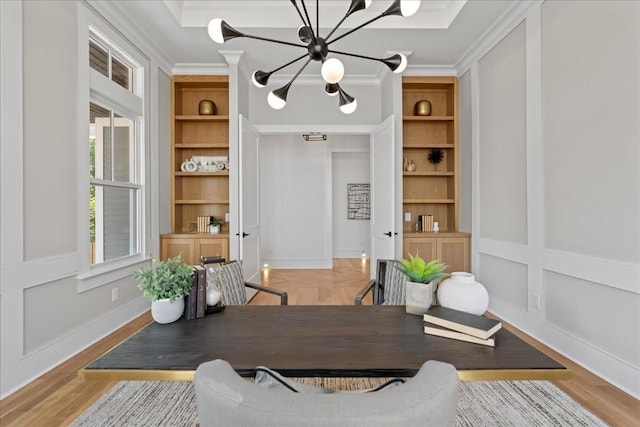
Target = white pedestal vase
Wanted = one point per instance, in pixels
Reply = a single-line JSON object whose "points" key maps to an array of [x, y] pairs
{"points": [[165, 311], [462, 292], [419, 297]]}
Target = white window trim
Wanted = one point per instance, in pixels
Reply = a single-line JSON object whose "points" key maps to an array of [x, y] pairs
{"points": [[136, 104]]}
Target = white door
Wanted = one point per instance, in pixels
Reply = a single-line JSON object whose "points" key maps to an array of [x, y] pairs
{"points": [[382, 193], [249, 202]]}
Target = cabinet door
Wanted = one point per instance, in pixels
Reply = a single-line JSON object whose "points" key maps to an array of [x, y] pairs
{"points": [[173, 247], [454, 251], [426, 247], [212, 247]]}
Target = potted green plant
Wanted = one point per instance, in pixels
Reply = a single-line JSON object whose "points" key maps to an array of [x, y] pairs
{"points": [[214, 225], [423, 282], [166, 283]]}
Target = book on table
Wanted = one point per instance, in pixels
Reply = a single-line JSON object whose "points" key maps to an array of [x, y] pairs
{"points": [[190, 300], [459, 321], [201, 293], [448, 333]]}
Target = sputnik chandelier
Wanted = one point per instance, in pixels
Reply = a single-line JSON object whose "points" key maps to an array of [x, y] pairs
{"points": [[318, 49]]}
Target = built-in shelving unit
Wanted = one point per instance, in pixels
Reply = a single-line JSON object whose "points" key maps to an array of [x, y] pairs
{"points": [[432, 189], [197, 193]]}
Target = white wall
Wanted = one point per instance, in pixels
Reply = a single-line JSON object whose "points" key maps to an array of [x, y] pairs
{"points": [[350, 237], [295, 198], [556, 186], [45, 317]]}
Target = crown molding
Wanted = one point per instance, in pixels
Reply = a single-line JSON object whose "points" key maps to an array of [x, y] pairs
{"points": [[434, 14], [510, 19], [200, 69]]}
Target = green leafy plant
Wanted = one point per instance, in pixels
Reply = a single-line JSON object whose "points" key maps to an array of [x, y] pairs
{"points": [[165, 279], [416, 269], [214, 221]]}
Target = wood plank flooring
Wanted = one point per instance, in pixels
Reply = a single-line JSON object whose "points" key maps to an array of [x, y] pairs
{"points": [[61, 395]]}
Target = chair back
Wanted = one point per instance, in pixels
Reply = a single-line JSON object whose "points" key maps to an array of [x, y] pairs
{"points": [[223, 398], [390, 284], [228, 278]]}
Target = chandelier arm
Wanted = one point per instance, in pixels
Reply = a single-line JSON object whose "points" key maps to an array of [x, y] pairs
{"points": [[313, 33], [357, 28], [304, 21], [288, 63], [299, 71], [337, 26], [355, 55], [273, 40]]}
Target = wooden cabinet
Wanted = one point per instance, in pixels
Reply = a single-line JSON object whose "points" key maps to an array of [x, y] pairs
{"points": [[450, 248], [200, 188], [430, 188], [193, 246]]}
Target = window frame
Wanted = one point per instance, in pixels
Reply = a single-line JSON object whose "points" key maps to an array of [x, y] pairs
{"points": [[95, 87]]}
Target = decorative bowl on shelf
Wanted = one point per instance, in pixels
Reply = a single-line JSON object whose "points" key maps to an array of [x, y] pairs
{"points": [[206, 107]]}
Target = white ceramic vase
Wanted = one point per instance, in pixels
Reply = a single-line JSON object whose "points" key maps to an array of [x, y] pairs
{"points": [[462, 292], [419, 297], [165, 311]]}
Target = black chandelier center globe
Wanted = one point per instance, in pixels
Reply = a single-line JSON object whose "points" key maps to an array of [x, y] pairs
{"points": [[318, 49]]}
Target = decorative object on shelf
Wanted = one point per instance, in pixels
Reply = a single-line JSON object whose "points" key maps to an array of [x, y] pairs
{"points": [[461, 292], [166, 283], [422, 108], [206, 107], [318, 49], [189, 166], [436, 226], [411, 166], [358, 204], [421, 287], [405, 165], [435, 156], [214, 226], [418, 226]]}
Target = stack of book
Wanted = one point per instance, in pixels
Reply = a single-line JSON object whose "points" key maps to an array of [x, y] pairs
{"points": [[203, 224], [195, 304], [458, 325], [426, 222]]}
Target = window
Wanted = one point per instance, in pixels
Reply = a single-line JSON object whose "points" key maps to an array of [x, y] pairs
{"points": [[115, 148]]}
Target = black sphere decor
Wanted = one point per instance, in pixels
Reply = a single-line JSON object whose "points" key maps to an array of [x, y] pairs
{"points": [[435, 156]]}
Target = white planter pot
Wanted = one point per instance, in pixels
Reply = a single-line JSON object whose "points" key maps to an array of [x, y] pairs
{"points": [[462, 292], [165, 311], [419, 297]]}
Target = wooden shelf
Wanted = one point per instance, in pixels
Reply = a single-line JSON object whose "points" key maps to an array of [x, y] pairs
{"points": [[224, 173], [429, 201], [428, 118], [409, 174], [428, 146], [199, 145], [193, 118], [202, 202]]}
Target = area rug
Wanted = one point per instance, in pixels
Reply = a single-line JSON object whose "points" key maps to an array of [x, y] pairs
{"points": [[480, 403]]}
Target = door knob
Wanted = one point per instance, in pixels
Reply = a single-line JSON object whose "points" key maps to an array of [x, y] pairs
{"points": [[388, 233], [245, 234]]}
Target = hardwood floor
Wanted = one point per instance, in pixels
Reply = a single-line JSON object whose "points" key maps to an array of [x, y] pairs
{"points": [[61, 395]]}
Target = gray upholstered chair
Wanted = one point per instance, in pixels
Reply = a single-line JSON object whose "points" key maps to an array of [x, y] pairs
{"points": [[224, 398], [388, 288], [227, 277]]}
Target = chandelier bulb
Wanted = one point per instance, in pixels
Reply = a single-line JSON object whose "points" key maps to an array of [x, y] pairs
{"points": [[409, 7], [275, 101], [215, 30], [332, 89], [260, 78], [349, 108], [367, 3], [332, 70], [305, 34]]}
